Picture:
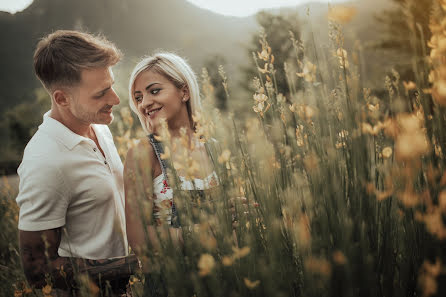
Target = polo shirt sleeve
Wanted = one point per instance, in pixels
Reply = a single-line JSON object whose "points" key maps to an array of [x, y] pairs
{"points": [[43, 196]]}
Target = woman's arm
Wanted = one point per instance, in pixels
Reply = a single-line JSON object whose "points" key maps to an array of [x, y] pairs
{"points": [[142, 234], [138, 185]]}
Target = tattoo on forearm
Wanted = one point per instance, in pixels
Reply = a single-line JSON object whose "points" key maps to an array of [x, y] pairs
{"points": [[40, 259]]}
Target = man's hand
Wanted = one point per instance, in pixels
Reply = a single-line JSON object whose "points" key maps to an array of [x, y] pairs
{"points": [[38, 250], [113, 268]]}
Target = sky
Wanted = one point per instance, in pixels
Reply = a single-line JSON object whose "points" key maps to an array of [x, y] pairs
{"points": [[14, 6], [248, 7], [225, 7]]}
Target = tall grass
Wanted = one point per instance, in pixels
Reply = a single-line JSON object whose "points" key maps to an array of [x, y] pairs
{"points": [[11, 276], [345, 191]]}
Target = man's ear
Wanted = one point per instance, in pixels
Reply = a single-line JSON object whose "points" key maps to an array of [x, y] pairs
{"points": [[61, 98]]}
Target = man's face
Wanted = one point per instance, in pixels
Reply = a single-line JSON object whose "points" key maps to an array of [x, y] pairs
{"points": [[94, 97]]}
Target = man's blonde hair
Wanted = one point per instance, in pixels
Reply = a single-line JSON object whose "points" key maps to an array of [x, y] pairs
{"points": [[61, 56]]}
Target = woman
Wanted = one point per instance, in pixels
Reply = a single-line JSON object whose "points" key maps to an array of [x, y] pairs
{"points": [[162, 88]]}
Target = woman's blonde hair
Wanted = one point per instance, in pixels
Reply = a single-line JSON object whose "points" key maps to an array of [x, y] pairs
{"points": [[176, 70]]}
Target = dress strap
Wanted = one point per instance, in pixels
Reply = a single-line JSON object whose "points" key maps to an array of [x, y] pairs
{"points": [[158, 149]]}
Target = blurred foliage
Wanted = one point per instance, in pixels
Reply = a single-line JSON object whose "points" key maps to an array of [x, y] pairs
{"points": [[212, 65], [18, 125], [11, 275], [277, 27], [405, 30]]}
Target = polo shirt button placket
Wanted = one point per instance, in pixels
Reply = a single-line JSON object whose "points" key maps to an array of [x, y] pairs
{"points": [[108, 166], [105, 160]]}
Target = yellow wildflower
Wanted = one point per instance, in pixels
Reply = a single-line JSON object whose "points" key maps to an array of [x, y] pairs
{"points": [[372, 107], [434, 223], [27, 290], [299, 137], [264, 55], [427, 279], [258, 108], [205, 264], [410, 122], [309, 112], [368, 129], [47, 290], [281, 98], [260, 97], [259, 105], [387, 152], [240, 253], [308, 72], [166, 153], [227, 261], [164, 134], [251, 284], [442, 201], [409, 85], [342, 14], [339, 258], [303, 231], [208, 240], [294, 107], [311, 162], [264, 70], [341, 53], [224, 157], [439, 92], [339, 145], [411, 145], [318, 266]]}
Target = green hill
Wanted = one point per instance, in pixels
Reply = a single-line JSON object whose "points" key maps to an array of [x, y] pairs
{"points": [[136, 26]]}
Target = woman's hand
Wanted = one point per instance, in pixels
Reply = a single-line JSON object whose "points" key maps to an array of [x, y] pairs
{"points": [[176, 235]]}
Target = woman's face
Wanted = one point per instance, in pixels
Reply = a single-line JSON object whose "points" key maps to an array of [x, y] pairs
{"points": [[157, 97]]}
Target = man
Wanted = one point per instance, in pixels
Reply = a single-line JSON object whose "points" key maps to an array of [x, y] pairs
{"points": [[71, 194]]}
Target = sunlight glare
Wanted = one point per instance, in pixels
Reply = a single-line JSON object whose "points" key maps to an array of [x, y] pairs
{"points": [[14, 6]]}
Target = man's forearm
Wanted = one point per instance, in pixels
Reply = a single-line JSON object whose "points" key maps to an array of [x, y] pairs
{"points": [[63, 272], [59, 272]]}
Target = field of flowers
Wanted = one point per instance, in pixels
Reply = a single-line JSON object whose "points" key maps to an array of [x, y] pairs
{"points": [[326, 189]]}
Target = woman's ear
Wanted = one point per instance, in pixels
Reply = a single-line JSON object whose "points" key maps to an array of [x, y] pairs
{"points": [[185, 94]]}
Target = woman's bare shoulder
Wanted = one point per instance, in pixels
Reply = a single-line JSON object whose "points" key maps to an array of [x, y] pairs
{"points": [[140, 150]]}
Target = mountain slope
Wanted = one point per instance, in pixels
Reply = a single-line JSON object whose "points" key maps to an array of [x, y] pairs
{"points": [[138, 27]]}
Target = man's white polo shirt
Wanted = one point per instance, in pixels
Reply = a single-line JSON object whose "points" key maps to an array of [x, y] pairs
{"points": [[65, 181]]}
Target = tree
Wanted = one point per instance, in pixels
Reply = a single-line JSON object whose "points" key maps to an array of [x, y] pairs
{"points": [[18, 125], [277, 28], [405, 30]]}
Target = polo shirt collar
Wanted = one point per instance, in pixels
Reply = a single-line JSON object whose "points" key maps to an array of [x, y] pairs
{"points": [[59, 131]]}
